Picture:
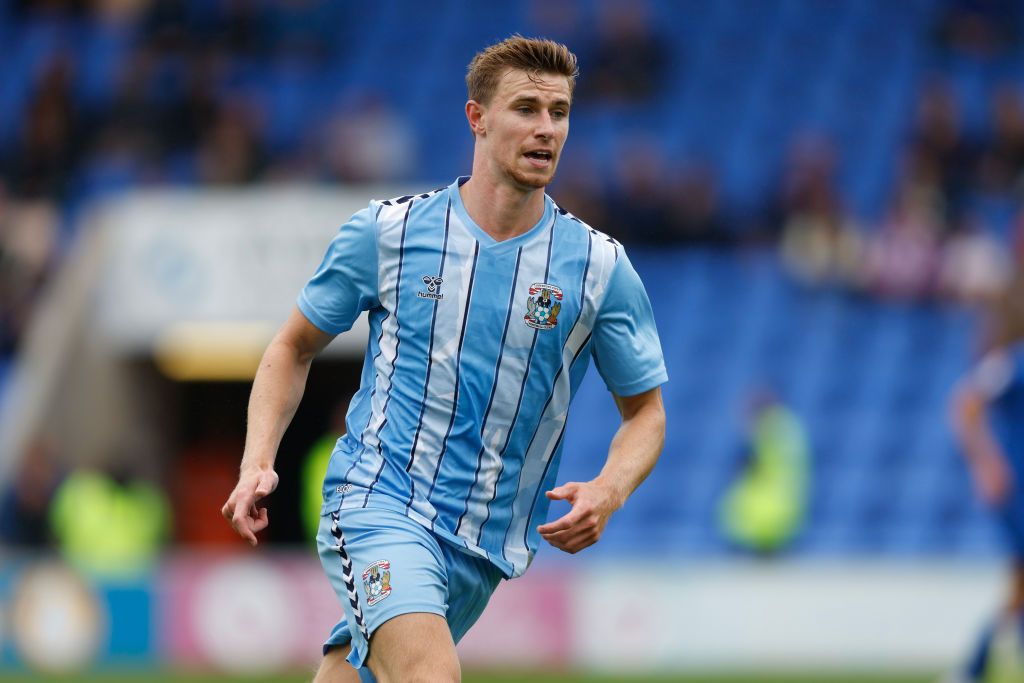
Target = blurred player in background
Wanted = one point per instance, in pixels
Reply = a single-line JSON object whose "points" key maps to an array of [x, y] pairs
{"points": [[988, 415], [486, 302]]}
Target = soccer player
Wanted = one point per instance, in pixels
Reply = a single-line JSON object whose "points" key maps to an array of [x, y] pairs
{"points": [[486, 302], [988, 415]]}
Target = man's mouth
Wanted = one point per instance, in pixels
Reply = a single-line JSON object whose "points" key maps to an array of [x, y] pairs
{"points": [[539, 158]]}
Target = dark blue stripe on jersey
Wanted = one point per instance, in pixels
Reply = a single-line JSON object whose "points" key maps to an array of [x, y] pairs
{"points": [[458, 371], [379, 209], [551, 395], [494, 389], [394, 362], [373, 392], [547, 466], [519, 405], [430, 363]]}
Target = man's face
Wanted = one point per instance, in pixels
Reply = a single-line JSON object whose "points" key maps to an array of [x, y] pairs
{"points": [[525, 124]]}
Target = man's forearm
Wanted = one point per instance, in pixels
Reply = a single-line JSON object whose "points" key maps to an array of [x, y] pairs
{"points": [[276, 392], [634, 451], [971, 425]]}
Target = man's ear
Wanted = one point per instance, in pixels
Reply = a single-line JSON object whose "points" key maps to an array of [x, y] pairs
{"points": [[475, 114]]}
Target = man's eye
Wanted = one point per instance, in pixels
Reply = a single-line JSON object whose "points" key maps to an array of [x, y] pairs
{"points": [[524, 110], [558, 114]]}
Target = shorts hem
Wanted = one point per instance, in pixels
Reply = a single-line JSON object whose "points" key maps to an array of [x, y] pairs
{"points": [[357, 657]]}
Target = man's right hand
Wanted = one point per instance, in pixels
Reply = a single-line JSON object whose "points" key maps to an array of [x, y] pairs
{"points": [[241, 509]]}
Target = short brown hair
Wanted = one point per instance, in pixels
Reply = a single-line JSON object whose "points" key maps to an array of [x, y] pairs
{"points": [[532, 55]]}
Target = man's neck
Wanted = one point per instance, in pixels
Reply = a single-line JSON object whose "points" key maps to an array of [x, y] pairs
{"points": [[502, 211]]}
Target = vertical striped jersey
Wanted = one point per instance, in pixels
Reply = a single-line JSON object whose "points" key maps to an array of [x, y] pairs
{"points": [[476, 348]]}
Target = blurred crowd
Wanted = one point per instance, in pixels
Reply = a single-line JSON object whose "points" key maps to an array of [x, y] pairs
{"points": [[935, 239], [177, 106]]}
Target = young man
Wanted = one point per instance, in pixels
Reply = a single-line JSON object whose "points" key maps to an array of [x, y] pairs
{"points": [[988, 416], [486, 302]]}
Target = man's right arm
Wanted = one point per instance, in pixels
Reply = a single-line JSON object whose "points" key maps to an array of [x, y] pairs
{"points": [[972, 426], [276, 391]]}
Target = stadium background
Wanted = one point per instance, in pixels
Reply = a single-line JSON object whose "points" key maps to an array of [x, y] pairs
{"points": [[821, 196]]}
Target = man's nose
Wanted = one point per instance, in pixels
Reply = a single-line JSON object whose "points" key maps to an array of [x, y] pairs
{"points": [[545, 126]]}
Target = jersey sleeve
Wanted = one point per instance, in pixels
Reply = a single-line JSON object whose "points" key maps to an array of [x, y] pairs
{"points": [[627, 350], [345, 284]]}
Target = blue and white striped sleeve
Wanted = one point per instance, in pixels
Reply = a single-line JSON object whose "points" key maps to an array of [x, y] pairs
{"points": [[627, 350], [345, 284]]}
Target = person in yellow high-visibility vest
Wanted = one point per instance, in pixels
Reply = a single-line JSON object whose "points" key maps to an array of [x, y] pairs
{"points": [[313, 471], [765, 508], [315, 467], [107, 527]]}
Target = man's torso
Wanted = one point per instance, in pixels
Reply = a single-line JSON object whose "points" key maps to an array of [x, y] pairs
{"points": [[474, 354]]}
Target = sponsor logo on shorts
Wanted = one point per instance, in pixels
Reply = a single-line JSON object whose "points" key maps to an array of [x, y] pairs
{"points": [[343, 488], [542, 306], [377, 581]]}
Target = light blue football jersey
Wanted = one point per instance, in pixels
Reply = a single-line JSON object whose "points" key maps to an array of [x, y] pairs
{"points": [[476, 348]]}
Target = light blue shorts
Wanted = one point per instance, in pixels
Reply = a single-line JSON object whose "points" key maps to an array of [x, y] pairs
{"points": [[382, 564]]}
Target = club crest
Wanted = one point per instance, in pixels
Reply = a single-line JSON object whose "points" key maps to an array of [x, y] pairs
{"points": [[542, 306], [377, 581]]}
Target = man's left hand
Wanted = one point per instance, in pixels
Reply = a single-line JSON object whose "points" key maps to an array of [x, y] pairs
{"points": [[581, 527]]}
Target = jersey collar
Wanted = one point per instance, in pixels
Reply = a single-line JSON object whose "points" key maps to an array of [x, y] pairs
{"points": [[481, 236]]}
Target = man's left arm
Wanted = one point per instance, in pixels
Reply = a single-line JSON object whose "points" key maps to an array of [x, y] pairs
{"points": [[631, 457]]}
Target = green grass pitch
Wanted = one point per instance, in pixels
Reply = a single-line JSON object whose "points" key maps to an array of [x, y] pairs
{"points": [[478, 677]]}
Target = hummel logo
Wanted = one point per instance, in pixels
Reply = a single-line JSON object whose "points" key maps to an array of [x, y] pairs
{"points": [[433, 285]]}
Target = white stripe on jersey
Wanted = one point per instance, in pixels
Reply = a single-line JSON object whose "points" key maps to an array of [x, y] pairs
{"points": [[437, 414], [510, 375], [551, 426], [390, 225]]}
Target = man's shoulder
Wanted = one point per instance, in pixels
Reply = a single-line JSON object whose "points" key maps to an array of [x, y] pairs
{"points": [[599, 241], [405, 199], [391, 214]]}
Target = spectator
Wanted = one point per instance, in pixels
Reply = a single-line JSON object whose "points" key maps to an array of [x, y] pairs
{"points": [[695, 214], [578, 189], [764, 508], [1001, 168], [306, 30], [131, 128], [231, 151], [28, 245], [24, 507], [562, 22], [902, 259], [48, 149], [940, 155], [314, 468], [980, 29], [368, 141], [637, 203], [630, 59], [109, 524], [974, 266], [184, 120], [820, 244]]}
